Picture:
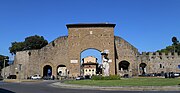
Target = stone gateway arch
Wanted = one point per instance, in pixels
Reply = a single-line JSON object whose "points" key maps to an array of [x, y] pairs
{"points": [[84, 36], [61, 57]]}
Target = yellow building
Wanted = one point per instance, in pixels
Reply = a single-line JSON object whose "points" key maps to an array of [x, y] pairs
{"points": [[89, 66]]}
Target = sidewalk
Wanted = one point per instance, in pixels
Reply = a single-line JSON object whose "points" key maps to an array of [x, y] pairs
{"points": [[122, 88]]}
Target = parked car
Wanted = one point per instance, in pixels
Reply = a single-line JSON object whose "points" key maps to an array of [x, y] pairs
{"points": [[80, 78], [171, 75], [87, 77], [47, 77], [176, 74], [36, 76], [12, 77]]}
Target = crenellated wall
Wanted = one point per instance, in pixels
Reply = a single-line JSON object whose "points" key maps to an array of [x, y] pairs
{"points": [[160, 62]]}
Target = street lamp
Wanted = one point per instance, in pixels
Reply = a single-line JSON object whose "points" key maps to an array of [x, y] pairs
{"points": [[4, 65], [20, 65]]}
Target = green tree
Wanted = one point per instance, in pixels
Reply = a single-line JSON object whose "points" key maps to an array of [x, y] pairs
{"points": [[16, 46], [31, 42], [2, 59], [175, 47], [175, 41], [178, 48], [35, 42]]}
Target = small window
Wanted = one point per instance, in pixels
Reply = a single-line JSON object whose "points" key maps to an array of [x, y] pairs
{"points": [[29, 53], [53, 44], [60, 72], [179, 66], [91, 32], [160, 65]]}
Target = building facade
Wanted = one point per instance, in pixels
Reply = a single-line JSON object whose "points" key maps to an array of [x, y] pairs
{"points": [[89, 66], [62, 56]]}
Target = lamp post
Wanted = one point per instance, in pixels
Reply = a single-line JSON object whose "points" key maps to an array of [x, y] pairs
{"points": [[4, 65], [20, 71]]}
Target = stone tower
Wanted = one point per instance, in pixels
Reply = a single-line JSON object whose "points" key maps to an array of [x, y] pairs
{"points": [[90, 36]]}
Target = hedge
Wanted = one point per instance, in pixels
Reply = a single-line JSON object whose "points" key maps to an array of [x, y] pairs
{"points": [[111, 77]]}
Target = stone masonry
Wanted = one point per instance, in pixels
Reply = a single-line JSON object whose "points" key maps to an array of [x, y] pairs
{"points": [[66, 51]]}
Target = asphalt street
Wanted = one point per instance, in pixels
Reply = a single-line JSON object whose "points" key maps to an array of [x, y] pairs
{"points": [[44, 87]]}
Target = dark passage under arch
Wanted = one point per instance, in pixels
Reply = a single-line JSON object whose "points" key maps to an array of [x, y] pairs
{"points": [[124, 65], [47, 70], [142, 68], [62, 70]]}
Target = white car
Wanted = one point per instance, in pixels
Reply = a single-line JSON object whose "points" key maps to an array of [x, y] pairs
{"points": [[79, 78], [176, 74], [36, 76]]}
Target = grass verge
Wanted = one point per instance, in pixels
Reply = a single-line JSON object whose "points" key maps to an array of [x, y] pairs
{"points": [[129, 82]]}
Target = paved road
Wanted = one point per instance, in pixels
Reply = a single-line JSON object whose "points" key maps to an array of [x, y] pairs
{"points": [[44, 87]]}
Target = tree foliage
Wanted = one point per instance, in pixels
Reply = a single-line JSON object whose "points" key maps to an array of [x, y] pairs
{"points": [[175, 47], [31, 42], [175, 41], [2, 60], [16, 46], [35, 42]]}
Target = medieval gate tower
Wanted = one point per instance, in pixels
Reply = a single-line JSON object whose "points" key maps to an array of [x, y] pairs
{"points": [[90, 36]]}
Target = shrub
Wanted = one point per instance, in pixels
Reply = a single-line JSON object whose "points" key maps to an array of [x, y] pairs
{"points": [[111, 77], [97, 78]]}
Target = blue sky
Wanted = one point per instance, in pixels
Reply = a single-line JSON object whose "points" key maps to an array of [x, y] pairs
{"points": [[149, 25], [92, 52]]}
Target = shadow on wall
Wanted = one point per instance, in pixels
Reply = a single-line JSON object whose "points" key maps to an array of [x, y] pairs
{"points": [[5, 91]]}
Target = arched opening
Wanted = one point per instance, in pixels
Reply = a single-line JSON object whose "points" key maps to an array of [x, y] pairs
{"points": [[90, 62], [47, 71], [142, 68], [62, 70], [124, 66]]}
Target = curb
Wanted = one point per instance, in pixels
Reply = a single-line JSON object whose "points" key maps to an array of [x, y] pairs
{"points": [[120, 88], [18, 81]]}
